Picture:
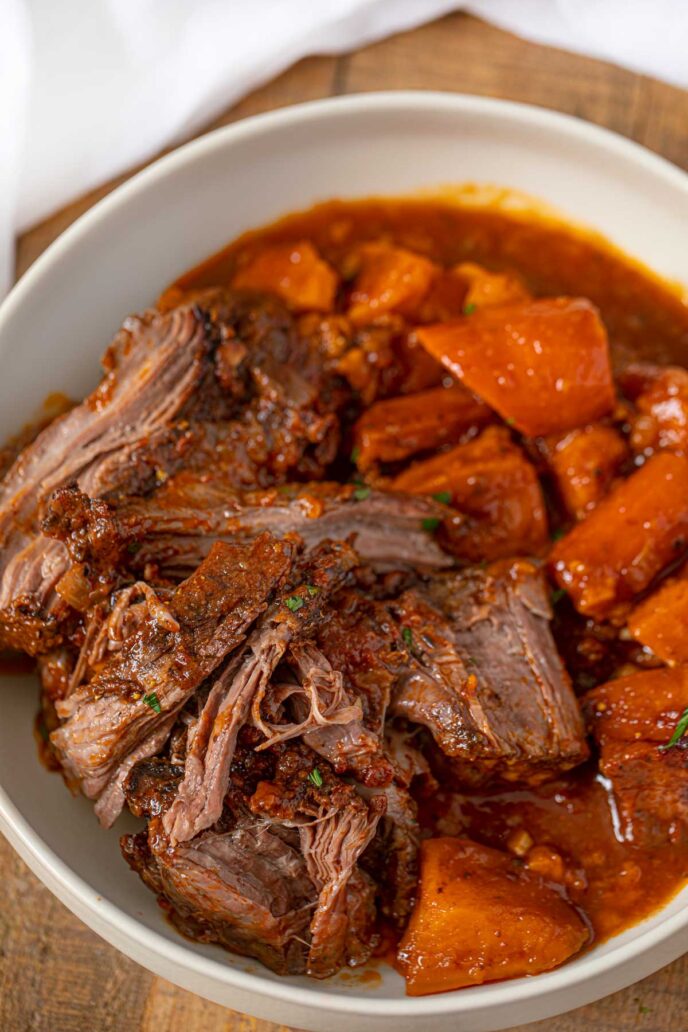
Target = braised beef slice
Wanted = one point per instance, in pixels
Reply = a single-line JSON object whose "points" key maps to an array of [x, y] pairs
{"points": [[486, 679], [239, 689], [107, 721], [246, 888], [151, 370], [175, 527]]}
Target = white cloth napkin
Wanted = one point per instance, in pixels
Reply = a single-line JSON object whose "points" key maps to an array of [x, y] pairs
{"points": [[89, 88]]}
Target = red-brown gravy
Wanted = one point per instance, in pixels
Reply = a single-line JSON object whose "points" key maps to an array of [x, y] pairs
{"points": [[614, 882]]}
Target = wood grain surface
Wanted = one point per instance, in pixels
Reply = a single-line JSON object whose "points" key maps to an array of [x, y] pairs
{"points": [[56, 975]]}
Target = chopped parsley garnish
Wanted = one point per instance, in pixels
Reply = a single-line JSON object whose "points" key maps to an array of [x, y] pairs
{"points": [[361, 493], [679, 732], [431, 523], [355, 453], [294, 602], [153, 701], [510, 421], [469, 308], [312, 590], [133, 547], [316, 778], [557, 534], [557, 595], [443, 496], [407, 635]]}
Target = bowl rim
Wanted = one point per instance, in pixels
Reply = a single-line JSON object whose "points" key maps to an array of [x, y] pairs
{"points": [[28, 842]]}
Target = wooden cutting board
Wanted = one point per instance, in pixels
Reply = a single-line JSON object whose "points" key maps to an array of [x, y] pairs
{"points": [[56, 975]]}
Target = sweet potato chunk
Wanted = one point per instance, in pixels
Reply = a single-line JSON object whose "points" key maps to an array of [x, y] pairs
{"points": [[635, 532], [661, 398], [487, 289], [481, 916], [660, 621], [584, 463], [295, 272], [398, 427], [390, 279], [632, 718], [492, 482], [543, 365]]}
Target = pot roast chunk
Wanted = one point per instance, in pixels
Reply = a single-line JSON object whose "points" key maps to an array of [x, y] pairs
{"points": [[176, 527], [633, 719], [238, 692], [335, 826], [486, 679], [151, 370], [159, 666], [247, 889]]}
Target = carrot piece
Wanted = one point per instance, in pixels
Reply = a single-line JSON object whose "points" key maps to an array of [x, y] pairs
{"points": [[481, 915], [493, 483], [295, 272], [660, 621], [487, 289], [390, 279], [637, 530], [398, 427], [584, 463], [661, 398], [642, 706], [633, 719], [543, 365]]}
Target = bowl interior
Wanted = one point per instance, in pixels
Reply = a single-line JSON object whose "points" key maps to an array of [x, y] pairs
{"points": [[54, 327]]}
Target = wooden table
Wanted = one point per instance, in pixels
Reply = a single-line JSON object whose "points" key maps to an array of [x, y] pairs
{"points": [[56, 975]]}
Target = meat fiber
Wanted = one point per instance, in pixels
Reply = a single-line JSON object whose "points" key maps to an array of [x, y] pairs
{"points": [[107, 720], [241, 687], [151, 370]]}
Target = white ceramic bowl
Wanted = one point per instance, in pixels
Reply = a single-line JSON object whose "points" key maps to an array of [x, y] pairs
{"points": [[114, 260]]}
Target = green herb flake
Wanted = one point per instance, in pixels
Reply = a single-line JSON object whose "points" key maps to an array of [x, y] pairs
{"points": [[557, 595], [679, 732], [355, 454], [153, 701], [443, 496], [294, 602], [557, 534], [431, 523], [133, 547], [469, 308], [510, 421], [361, 493], [407, 635], [312, 590], [316, 778]]}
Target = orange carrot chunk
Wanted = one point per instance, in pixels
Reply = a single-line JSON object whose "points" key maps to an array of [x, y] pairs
{"points": [[390, 279], [661, 398], [398, 427], [492, 482], [480, 916], [487, 289], [637, 530], [295, 272], [543, 365], [584, 463], [660, 622]]}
